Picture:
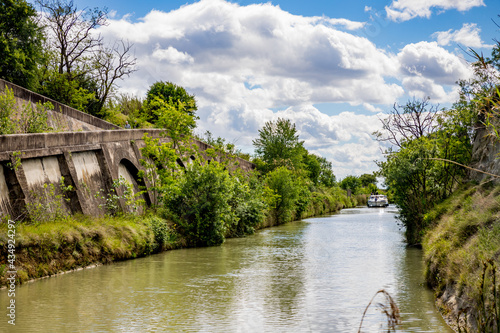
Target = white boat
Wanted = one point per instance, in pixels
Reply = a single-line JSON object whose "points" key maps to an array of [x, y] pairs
{"points": [[378, 200]]}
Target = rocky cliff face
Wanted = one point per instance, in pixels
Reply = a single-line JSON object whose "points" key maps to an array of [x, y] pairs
{"points": [[485, 157]]}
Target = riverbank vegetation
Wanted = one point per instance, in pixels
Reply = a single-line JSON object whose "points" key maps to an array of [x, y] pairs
{"points": [[198, 198], [461, 254], [455, 219], [51, 247]]}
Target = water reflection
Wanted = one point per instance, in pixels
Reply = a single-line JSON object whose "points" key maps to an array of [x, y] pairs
{"points": [[311, 276]]}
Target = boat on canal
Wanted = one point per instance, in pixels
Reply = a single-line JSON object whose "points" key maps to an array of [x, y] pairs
{"points": [[377, 200]]}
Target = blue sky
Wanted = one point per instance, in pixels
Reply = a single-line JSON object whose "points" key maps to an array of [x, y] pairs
{"points": [[332, 67]]}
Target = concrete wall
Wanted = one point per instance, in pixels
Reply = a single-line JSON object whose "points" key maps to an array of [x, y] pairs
{"points": [[73, 171], [64, 118], [37, 169]]}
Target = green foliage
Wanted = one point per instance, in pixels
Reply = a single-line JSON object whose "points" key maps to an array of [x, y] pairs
{"points": [[67, 90], [131, 199], [223, 147], [16, 163], [48, 204], [350, 182], [171, 94], [249, 204], [173, 118], [161, 168], [27, 119], [312, 166], [367, 179], [326, 176], [286, 188], [20, 43], [424, 171], [35, 119], [278, 145], [7, 112], [163, 234], [201, 207], [125, 108], [461, 250]]}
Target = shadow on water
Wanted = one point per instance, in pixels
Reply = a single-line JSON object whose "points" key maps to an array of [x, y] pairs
{"points": [[316, 275]]}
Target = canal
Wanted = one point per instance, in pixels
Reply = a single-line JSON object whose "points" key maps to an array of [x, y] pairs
{"points": [[316, 275]]}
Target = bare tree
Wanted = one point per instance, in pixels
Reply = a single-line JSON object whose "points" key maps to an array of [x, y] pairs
{"points": [[80, 53], [413, 120], [72, 35], [112, 63]]}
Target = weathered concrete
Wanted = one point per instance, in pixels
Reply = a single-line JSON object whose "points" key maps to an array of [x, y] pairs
{"points": [[62, 117], [72, 172]]}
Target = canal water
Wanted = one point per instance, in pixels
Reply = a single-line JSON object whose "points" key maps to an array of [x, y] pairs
{"points": [[316, 275]]}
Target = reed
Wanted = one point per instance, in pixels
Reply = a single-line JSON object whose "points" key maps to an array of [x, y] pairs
{"points": [[389, 308]]}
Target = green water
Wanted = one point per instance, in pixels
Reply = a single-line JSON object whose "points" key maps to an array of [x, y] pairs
{"points": [[316, 275]]}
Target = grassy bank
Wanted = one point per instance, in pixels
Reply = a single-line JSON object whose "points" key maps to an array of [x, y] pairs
{"points": [[49, 248], [462, 251]]}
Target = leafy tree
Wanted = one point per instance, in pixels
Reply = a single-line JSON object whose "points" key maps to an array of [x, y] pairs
{"points": [[423, 171], [326, 176], [64, 90], [178, 124], [201, 205], [410, 174], [350, 182], [20, 43], [249, 202], [312, 166], [286, 188], [367, 179], [172, 94], [278, 145], [161, 169]]}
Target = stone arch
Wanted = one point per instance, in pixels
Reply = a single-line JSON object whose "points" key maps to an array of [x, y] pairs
{"points": [[181, 164], [130, 172], [188, 161]]}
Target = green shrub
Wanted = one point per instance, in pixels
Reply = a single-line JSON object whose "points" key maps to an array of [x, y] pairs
{"points": [[7, 109], [282, 181], [161, 231], [200, 205], [248, 203]]}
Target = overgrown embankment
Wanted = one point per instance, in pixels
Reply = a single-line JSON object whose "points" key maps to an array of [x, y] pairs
{"points": [[45, 249], [462, 252], [50, 248]]}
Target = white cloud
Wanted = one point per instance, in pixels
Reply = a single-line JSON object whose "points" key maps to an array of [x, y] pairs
{"points": [[242, 62], [348, 24], [468, 35], [431, 61], [171, 55], [404, 10], [421, 87]]}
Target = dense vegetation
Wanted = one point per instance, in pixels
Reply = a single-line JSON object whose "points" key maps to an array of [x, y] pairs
{"points": [[456, 220], [461, 255], [198, 198]]}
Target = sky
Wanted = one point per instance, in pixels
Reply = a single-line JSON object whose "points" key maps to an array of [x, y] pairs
{"points": [[332, 67]]}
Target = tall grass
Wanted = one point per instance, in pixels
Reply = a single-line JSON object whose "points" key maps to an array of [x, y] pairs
{"points": [[462, 252], [388, 308], [47, 248]]}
